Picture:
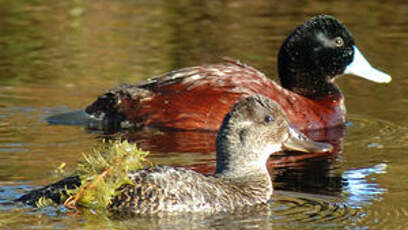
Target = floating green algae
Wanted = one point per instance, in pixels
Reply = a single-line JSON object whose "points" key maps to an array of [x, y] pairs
{"points": [[43, 202], [101, 172]]}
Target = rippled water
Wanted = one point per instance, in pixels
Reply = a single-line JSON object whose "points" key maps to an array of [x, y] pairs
{"points": [[58, 56]]}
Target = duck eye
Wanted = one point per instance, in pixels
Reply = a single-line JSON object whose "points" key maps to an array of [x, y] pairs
{"points": [[269, 118], [339, 41]]}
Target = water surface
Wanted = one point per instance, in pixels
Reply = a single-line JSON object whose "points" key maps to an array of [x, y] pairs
{"points": [[58, 56]]}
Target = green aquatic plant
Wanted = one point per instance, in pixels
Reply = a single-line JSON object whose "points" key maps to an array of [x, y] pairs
{"points": [[104, 170], [44, 202], [101, 171]]}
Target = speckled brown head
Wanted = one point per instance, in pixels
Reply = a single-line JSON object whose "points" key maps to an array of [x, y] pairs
{"points": [[255, 128]]}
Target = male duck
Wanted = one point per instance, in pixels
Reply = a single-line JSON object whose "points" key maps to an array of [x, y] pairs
{"points": [[197, 98], [250, 132]]}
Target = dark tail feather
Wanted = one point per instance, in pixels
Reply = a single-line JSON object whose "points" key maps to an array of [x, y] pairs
{"points": [[78, 117], [91, 122], [53, 191]]}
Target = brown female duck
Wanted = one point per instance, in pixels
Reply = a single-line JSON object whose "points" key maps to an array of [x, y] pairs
{"points": [[250, 132]]}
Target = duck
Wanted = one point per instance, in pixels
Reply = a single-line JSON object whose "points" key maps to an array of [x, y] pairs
{"points": [[255, 128], [198, 97]]}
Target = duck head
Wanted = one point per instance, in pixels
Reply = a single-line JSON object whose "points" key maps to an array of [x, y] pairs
{"points": [[316, 53], [255, 128]]}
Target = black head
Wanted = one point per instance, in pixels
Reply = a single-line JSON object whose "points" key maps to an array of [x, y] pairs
{"points": [[317, 51]]}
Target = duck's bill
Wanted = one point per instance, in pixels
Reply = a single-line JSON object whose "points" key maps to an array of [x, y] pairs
{"points": [[299, 142], [360, 67]]}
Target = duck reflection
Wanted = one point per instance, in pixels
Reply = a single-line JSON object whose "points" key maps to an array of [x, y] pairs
{"points": [[168, 140]]}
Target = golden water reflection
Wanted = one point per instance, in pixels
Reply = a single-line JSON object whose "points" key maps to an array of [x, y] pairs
{"points": [[57, 56]]}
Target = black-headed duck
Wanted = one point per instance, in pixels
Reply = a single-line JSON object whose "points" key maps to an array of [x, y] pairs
{"points": [[197, 98]]}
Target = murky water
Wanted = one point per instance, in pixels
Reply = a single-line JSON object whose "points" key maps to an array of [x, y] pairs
{"points": [[57, 56]]}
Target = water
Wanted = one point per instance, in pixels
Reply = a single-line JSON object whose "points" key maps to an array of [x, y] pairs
{"points": [[58, 56]]}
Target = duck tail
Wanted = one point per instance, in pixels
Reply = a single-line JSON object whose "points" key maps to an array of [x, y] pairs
{"points": [[55, 192]]}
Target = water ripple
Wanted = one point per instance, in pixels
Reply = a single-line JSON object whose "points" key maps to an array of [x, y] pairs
{"points": [[360, 187], [376, 133], [300, 208]]}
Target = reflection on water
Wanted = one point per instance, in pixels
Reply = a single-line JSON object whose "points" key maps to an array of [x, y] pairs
{"points": [[360, 187], [298, 210], [309, 193], [374, 133], [58, 56]]}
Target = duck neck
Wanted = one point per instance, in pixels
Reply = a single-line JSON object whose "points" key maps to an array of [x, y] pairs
{"points": [[302, 74], [310, 85], [235, 160], [239, 163]]}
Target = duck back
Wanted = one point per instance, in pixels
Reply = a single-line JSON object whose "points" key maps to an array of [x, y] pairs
{"points": [[167, 189], [197, 98]]}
